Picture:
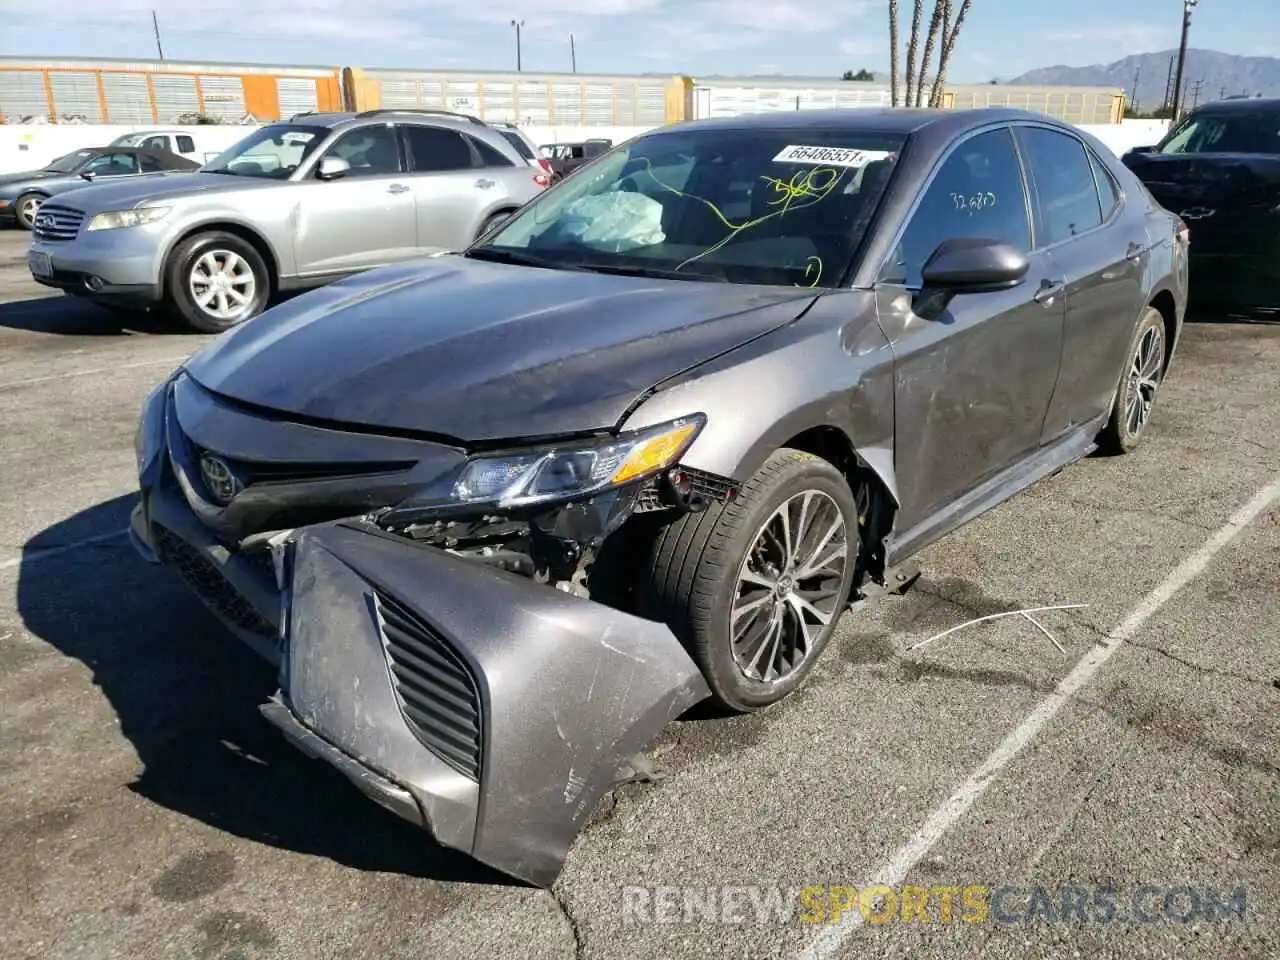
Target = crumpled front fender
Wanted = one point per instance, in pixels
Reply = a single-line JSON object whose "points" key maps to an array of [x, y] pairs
{"points": [[493, 710]]}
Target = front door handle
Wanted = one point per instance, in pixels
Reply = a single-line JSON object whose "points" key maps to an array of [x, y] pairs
{"points": [[1135, 252], [397, 188], [1048, 292], [484, 184]]}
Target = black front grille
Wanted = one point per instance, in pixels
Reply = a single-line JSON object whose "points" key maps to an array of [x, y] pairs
{"points": [[204, 577], [57, 222], [437, 693]]}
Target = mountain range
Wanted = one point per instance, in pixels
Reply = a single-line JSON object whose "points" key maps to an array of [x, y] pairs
{"points": [[1207, 75]]}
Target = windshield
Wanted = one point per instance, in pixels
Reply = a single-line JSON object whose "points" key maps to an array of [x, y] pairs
{"points": [[273, 152], [71, 162], [1237, 131], [747, 206]]}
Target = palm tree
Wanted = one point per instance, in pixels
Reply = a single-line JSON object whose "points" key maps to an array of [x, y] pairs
{"points": [[937, 24], [893, 53], [913, 83], [949, 45]]}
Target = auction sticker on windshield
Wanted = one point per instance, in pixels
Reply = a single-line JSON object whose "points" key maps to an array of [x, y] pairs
{"points": [[830, 156], [297, 136]]}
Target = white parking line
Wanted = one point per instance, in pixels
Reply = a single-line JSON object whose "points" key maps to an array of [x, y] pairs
{"points": [[35, 556], [893, 873], [88, 373]]}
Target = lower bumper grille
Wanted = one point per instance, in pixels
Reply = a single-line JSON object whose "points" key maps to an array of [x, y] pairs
{"points": [[203, 576], [438, 695]]}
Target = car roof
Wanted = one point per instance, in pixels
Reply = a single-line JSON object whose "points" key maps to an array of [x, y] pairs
{"points": [[335, 120], [886, 120], [1241, 104]]}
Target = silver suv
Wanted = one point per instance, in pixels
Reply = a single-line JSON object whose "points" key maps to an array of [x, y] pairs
{"points": [[293, 205]]}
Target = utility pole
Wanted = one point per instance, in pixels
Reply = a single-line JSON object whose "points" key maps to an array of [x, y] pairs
{"points": [[1187, 5], [1133, 97], [155, 25], [1168, 86], [518, 24], [1195, 93], [573, 54]]}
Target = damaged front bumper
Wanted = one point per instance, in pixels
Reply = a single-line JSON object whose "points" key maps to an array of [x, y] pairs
{"points": [[491, 710]]}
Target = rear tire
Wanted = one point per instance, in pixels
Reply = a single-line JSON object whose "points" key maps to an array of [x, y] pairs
{"points": [[502, 216], [215, 281], [1135, 395], [26, 207], [727, 567]]}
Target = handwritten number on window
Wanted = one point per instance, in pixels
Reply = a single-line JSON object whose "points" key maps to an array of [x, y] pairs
{"points": [[974, 202]]}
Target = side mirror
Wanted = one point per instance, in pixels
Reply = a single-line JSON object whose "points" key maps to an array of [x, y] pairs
{"points": [[331, 168], [88, 175], [968, 265]]}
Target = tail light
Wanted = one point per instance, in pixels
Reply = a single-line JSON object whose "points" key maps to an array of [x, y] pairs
{"points": [[1183, 232], [542, 179], [545, 164]]}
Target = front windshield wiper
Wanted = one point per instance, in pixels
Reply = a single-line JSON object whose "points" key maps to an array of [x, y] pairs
{"points": [[523, 259], [627, 270]]}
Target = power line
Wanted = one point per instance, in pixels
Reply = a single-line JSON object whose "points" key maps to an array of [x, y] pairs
{"points": [[155, 25]]}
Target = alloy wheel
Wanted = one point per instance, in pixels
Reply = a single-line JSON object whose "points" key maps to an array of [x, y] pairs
{"points": [[222, 284], [789, 585], [30, 207], [1144, 380]]}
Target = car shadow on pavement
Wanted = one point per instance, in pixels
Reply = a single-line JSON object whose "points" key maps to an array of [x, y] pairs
{"points": [[70, 316], [186, 695]]}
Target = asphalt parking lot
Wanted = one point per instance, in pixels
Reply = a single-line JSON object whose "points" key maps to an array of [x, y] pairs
{"points": [[146, 810]]}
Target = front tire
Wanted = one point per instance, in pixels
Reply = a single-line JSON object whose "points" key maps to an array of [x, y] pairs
{"points": [[754, 589], [1136, 393], [26, 207], [215, 281]]}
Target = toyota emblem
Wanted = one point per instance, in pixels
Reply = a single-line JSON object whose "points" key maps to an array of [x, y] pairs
{"points": [[219, 480]]}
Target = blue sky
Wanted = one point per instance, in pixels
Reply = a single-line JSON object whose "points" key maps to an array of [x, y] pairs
{"points": [[1001, 38]]}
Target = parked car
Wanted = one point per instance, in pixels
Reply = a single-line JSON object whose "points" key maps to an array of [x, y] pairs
{"points": [[199, 146], [564, 158], [500, 515], [293, 205], [21, 194], [1219, 169], [525, 147]]}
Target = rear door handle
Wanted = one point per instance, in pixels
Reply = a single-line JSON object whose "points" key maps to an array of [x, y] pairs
{"points": [[397, 188], [1048, 291], [484, 184]]}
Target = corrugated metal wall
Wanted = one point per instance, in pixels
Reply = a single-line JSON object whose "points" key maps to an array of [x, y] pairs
{"points": [[120, 91], [531, 98]]}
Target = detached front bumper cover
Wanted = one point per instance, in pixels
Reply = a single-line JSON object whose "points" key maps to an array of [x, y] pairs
{"points": [[489, 709]]}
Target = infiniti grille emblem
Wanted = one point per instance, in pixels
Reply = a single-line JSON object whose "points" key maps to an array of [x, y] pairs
{"points": [[219, 480], [44, 221]]}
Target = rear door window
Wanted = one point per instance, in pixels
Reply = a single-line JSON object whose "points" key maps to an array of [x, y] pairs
{"points": [[977, 192], [186, 145], [1108, 189], [436, 150], [1066, 195]]}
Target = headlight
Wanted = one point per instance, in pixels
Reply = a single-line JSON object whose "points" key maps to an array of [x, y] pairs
{"points": [[574, 470], [137, 217]]}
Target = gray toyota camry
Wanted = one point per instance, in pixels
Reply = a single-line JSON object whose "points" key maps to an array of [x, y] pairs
{"points": [[498, 516]]}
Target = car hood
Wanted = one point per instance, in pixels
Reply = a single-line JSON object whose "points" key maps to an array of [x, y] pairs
{"points": [[26, 176], [97, 197], [475, 351], [1181, 181]]}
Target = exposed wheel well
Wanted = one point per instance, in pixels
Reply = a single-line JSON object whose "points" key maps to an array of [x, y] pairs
{"points": [[249, 236], [875, 503], [1168, 309]]}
